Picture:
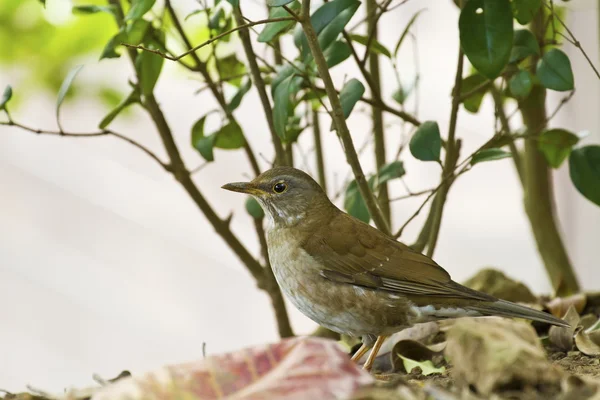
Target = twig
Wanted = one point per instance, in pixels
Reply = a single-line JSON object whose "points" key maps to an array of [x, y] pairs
{"points": [[319, 150], [105, 132], [413, 194], [219, 36], [372, 25]]}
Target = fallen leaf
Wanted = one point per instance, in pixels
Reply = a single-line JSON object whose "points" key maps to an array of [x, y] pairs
{"points": [[562, 337], [427, 367], [588, 340], [558, 306]]}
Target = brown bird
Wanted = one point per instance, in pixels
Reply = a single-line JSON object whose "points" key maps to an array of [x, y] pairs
{"points": [[351, 278]]}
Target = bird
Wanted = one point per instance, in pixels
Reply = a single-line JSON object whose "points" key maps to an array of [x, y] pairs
{"points": [[352, 278]]}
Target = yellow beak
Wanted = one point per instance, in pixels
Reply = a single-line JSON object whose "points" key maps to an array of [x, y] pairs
{"points": [[242, 187]]}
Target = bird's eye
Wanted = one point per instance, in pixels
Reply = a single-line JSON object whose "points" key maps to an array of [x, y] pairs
{"points": [[279, 187]]}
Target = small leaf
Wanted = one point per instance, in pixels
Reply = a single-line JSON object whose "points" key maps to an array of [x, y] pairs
{"points": [[336, 53], [405, 32], [426, 143], [93, 9], [524, 45], [354, 204], [204, 144], [556, 145], [350, 94], [520, 84], [109, 50], [64, 88], [281, 106], [6, 96], [562, 337], [390, 171], [134, 97], [136, 31], [236, 100], [230, 67], [473, 102], [230, 137], [375, 47], [489, 155], [554, 71], [584, 168], [278, 3], [331, 32], [234, 3], [139, 8], [525, 10], [486, 35], [149, 66], [254, 209], [427, 367], [273, 29]]}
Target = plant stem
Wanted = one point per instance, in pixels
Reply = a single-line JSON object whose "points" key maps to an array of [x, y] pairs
{"points": [[452, 150], [340, 122], [280, 158], [376, 112], [316, 125], [538, 194]]}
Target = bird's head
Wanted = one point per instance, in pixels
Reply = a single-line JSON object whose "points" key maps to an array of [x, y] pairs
{"points": [[286, 195]]}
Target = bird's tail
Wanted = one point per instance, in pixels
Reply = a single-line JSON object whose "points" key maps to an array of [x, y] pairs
{"points": [[507, 309]]}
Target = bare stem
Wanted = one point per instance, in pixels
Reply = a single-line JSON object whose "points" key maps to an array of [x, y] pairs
{"points": [[316, 126]]}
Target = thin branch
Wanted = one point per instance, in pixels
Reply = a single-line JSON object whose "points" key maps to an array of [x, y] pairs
{"points": [[413, 194], [105, 132], [373, 22], [340, 121], [193, 49], [319, 149]]}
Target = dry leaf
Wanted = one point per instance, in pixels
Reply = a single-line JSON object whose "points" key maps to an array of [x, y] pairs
{"points": [[562, 337], [560, 305]]}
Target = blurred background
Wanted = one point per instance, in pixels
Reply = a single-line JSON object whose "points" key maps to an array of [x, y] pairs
{"points": [[106, 264]]}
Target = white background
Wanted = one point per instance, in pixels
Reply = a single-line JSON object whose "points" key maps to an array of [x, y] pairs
{"points": [[106, 264]]}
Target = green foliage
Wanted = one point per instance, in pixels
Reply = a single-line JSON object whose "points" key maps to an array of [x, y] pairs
{"points": [[584, 168], [64, 88], [520, 84], [489, 155], [525, 10], [556, 145], [236, 100], [554, 71], [473, 102], [486, 34], [6, 96], [405, 32], [426, 143], [272, 30], [336, 53], [524, 45], [354, 204], [282, 104], [278, 3], [204, 144], [333, 29], [230, 136], [139, 8], [350, 94], [388, 172], [254, 209], [375, 47], [134, 97], [149, 66]]}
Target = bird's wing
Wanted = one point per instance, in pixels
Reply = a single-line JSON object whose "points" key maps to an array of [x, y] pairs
{"points": [[356, 253]]}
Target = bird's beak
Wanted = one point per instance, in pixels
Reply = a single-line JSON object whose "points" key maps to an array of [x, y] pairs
{"points": [[242, 187]]}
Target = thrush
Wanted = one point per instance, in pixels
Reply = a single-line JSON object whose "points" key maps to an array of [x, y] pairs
{"points": [[350, 277]]}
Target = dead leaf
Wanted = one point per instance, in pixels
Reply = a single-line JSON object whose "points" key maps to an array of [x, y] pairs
{"points": [[562, 337], [408, 354], [588, 340], [558, 306], [427, 367]]}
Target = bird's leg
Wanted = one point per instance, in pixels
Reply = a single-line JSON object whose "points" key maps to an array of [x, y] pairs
{"points": [[360, 352], [369, 364]]}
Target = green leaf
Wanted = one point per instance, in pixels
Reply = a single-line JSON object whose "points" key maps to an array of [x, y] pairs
{"points": [[253, 208], [473, 102], [390, 171], [93, 9], [149, 66], [525, 10], [134, 97], [520, 84], [273, 29], [64, 88], [283, 72], [204, 144], [584, 168], [281, 107], [234, 3], [336, 53], [405, 32], [230, 67], [217, 18], [556, 145], [375, 47], [554, 71], [239, 95], [230, 137], [486, 35], [427, 367], [139, 8], [354, 204], [524, 45], [426, 143], [136, 31], [331, 32], [6, 96], [109, 50], [278, 3], [489, 155], [349, 95]]}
